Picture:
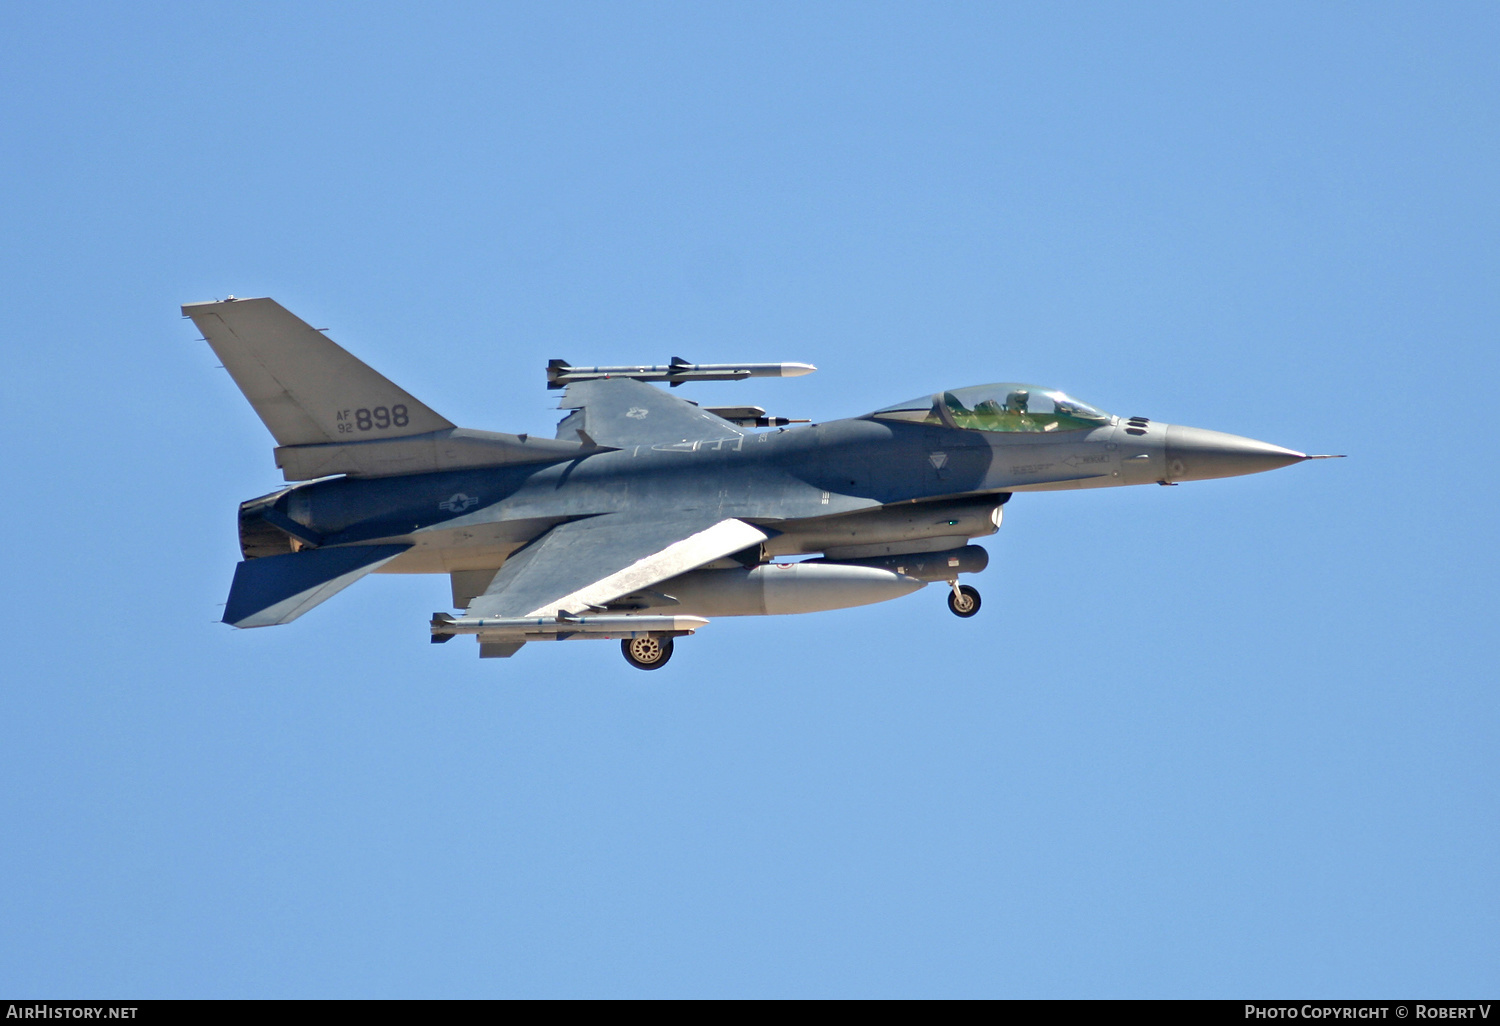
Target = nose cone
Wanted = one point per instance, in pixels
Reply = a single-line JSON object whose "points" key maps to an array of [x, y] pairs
{"points": [[1195, 454]]}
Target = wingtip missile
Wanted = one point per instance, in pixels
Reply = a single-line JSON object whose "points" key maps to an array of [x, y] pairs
{"points": [[561, 373], [533, 628]]}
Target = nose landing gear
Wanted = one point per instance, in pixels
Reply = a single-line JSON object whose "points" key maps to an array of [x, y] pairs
{"points": [[647, 653], [964, 600]]}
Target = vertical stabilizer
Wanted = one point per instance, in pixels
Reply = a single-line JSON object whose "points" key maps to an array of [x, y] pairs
{"points": [[306, 388]]}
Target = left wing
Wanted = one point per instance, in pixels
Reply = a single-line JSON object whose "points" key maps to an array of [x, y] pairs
{"points": [[622, 413], [584, 564]]}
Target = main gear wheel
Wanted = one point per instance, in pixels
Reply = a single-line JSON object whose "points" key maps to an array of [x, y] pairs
{"points": [[647, 653]]}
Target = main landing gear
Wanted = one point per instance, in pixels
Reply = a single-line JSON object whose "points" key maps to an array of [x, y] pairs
{"points": [[648, 653], [963, 600]]}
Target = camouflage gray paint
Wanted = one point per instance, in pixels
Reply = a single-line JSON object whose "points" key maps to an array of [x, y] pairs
{"points": [[644, 504]]}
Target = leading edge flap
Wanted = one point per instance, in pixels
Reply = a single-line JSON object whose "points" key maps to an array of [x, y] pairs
{"points": [[584, 564]]}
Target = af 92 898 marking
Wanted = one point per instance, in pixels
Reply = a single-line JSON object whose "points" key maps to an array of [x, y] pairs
{"points": [[377, 419]]}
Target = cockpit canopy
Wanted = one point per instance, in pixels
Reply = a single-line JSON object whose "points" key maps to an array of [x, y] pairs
{"points": [[1003, 407]]}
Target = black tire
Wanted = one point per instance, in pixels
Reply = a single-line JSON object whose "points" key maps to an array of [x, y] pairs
{"points": [[965, 602], [647, 653]]}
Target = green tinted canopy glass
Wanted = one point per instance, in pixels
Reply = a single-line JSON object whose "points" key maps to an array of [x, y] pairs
{"points": [[1001, 407]]}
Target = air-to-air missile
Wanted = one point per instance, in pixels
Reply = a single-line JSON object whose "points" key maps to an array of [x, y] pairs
{"points": [[445, 627], [560, 373], [646, 514]]}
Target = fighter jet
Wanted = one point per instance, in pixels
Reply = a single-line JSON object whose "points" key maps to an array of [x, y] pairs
{"points": [[646, 515]]}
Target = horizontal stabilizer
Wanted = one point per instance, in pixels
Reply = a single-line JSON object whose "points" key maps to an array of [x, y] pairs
{"points": [[278, 589]]}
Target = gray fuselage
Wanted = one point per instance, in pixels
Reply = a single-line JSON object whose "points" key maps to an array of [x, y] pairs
{"points": [[827, 486]]}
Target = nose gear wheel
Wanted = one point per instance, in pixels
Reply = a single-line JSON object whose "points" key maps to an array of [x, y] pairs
{"points": [[963, 600]]}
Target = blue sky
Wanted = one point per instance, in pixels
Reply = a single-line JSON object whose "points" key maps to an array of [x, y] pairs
{"points": [[1233, 738]]}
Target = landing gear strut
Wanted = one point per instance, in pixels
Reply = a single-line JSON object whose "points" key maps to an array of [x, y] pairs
{"points": [[648, 653], [964, 600]]}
